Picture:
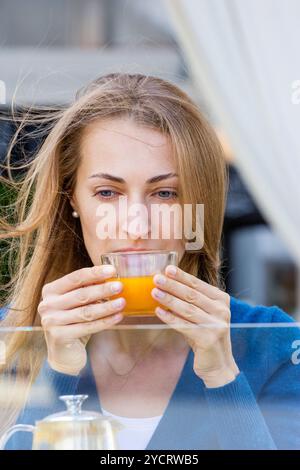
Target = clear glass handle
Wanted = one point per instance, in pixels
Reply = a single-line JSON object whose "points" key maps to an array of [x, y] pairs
{"points": [[18, 427]]}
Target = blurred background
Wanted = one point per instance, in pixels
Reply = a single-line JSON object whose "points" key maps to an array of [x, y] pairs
{"points": [[49, 49]]}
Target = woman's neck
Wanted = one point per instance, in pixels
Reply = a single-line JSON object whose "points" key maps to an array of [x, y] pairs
{"points": [[136, 342]]}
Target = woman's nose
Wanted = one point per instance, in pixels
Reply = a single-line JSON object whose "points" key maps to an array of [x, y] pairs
{"points": [[137, 230], [137, 223]]}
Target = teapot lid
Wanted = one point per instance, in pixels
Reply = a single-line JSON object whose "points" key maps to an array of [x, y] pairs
{"points": [[74, 411]]}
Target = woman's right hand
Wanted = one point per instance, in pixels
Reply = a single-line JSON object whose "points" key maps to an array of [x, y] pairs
{"points": [[74, 307]]}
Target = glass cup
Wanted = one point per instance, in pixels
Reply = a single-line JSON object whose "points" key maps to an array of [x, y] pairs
{"points": [[135, 269]]}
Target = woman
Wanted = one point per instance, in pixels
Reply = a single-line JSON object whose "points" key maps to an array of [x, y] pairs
{"points": [[143, 139]]}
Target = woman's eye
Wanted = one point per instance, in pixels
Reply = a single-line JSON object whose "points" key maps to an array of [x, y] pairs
{"points": [[109, 194], [167, 194], [106, 193]]}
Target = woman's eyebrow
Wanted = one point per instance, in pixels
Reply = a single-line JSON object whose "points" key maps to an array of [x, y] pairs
{"points": [[154, 179]]}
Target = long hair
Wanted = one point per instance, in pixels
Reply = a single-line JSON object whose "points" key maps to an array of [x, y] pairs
{"points": [[45, 242]]}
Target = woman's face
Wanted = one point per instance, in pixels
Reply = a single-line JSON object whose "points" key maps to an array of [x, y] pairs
{"points": [[118, 161]]}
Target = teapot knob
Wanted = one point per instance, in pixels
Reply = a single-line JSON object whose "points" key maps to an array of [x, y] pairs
{"points": [[73, 402]]}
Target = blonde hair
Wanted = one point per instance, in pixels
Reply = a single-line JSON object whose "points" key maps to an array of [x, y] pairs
{"points": [[39, 224]]}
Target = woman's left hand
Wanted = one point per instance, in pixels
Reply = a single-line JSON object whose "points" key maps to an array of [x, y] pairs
{"points": [[206, 308]]}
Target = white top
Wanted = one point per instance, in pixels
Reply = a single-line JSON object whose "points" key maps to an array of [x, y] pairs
{"points": [[136, 433]]}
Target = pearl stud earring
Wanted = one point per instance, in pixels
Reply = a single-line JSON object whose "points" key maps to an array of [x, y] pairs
{"points": [[75, 214]]}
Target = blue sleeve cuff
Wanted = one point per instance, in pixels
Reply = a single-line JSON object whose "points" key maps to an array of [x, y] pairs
{"points": [[237, 416], [64, 382]]}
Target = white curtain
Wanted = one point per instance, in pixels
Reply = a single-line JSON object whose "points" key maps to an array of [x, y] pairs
{"points": [[245, 57]]}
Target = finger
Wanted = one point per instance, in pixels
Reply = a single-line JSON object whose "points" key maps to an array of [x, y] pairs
{"points": [[82, 296], [192, 281], [180, 307], [184, 292], [85, 313], [207, 332], [179, 324], [79, 278], [70, 332]]}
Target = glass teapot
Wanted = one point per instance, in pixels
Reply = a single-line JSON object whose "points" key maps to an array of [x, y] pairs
{"points": [[72, 429]]}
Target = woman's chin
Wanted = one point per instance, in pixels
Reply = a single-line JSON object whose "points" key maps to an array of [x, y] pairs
{"points": [[140, 320]]}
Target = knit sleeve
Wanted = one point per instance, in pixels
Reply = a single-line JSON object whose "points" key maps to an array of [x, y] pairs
{"points": [[264, 412], [237, 418]]}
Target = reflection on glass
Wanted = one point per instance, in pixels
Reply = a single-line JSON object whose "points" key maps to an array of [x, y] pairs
{"points": [[260, 409]]}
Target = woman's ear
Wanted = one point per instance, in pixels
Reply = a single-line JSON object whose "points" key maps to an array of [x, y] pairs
{"points": [[73, 203]]}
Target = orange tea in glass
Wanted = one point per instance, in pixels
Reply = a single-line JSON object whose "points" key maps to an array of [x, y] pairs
{"points": [[135, 269]]}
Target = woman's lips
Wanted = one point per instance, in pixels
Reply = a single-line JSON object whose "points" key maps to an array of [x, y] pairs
{"points": [[131, 249]]}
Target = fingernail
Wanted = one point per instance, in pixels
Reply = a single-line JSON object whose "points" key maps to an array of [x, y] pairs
{"points": [[118, 303], [160, 279], [116, 286], [159, 293], [113, 318], [108, 269], [161, 311], [117, 316], [171, 270]]}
